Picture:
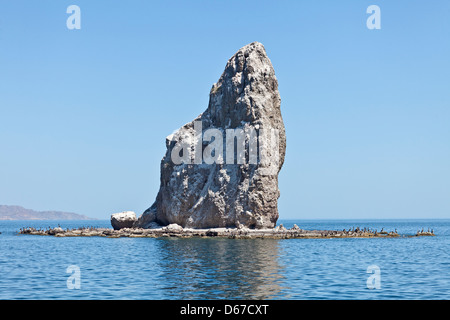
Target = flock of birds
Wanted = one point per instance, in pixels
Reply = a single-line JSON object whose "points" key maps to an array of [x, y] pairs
{"points": [[25, 230], [345, 231], [365, 230]]}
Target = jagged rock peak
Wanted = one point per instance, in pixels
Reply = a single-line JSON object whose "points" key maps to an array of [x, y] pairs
{"points": [[246, 85]]}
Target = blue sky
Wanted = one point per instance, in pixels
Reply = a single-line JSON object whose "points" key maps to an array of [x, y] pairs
{"points": [[84, 113]]}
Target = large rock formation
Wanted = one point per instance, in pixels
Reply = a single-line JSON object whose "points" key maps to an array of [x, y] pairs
{"points": [[204, 187]]}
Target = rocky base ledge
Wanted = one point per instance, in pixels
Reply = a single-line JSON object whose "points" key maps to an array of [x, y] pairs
{"points": [[174, 230]]}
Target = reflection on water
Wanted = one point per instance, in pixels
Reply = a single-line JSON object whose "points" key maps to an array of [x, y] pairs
{"points": [[34, 267], [221, 269]]}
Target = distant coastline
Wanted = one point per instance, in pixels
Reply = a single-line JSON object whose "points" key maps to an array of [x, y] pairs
{"points": [[21, 213]]}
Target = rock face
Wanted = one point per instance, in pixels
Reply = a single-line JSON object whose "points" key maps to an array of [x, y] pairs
{"points": [[121, 220], [221, 170]]}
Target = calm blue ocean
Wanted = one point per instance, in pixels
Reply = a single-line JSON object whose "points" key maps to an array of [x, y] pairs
{"points": [[34, 267]]}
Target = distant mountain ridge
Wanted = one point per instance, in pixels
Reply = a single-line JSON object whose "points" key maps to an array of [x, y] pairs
{"points": [[20, 213]]}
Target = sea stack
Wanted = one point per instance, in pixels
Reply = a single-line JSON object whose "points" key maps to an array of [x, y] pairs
{"points": [[221, 169]]}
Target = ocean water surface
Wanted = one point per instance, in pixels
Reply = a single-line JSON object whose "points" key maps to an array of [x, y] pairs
{"points": [[35, 267]]}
